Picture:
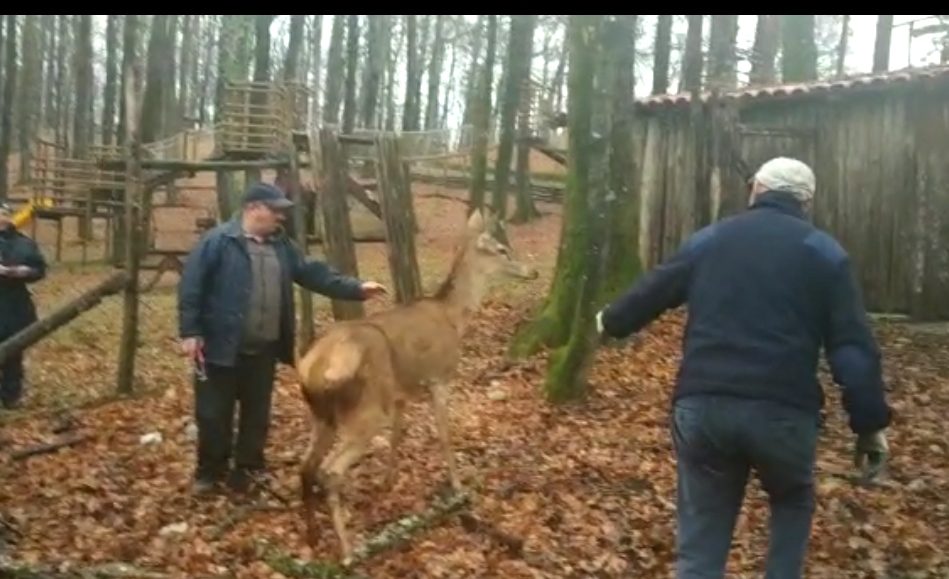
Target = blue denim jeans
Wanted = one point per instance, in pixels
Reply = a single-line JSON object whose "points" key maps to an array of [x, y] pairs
{"points": [[718, 441]]}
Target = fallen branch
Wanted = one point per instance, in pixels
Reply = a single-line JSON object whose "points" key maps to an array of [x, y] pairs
{"points": [[238, 515], [396, 533], [105, 571], [289, 566], [48, 447]]}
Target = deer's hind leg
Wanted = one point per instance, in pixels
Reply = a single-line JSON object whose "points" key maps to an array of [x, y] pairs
{"points": [[321, 441], [440, 409], [394, 441]]}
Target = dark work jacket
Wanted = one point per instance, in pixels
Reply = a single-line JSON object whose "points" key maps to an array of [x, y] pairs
{"points": [[16, 304], [215, 287], [765, 290]]}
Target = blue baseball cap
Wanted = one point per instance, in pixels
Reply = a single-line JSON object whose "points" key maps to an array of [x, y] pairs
{"points": [[268, 195]]}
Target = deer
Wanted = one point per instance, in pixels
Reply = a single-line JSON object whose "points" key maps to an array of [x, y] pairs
{"points": [[357, 378]]}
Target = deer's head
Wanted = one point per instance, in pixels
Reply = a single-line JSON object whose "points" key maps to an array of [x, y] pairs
{"points": [[492, 256]]}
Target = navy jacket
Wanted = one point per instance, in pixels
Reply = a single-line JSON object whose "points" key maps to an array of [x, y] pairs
{"points": [[765, 291], [215, 288], [16, 304]]}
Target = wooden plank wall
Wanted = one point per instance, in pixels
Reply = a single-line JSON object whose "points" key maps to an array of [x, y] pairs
{"points": [[882, 166]]}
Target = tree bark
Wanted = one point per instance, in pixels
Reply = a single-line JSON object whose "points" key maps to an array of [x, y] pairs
{"points": [[799, 51], [316, 65], [352, 65], [481, 116], [596, 61], [525, 210], [765, 50], [435, 74], [518, 71], [413, 75], [842, 46], [375, 69], [83, 66], [881, 48], [292, 61], [663, 48], [449, 91], [692, 56], [722, 72], [601, 204], [335, 72], [471, 82], [9, 92], [154, 88], [129, 52], [111, 74], [29, 93], [392, 60], [558, 83], [397, 214], [187, 61], [47, 117], [63, 79]]}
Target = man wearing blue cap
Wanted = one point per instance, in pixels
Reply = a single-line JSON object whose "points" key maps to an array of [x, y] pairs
{"points": [[236, 317], [21, 263]]}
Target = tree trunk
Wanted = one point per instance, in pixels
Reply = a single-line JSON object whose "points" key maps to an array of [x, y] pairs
{"points": [[187, 61], [765, 50], [413, 76], [335, 72], [352, 65], [63, 80], [471, 83], [518, 73], [49, 76], [337, 229], [596, 223], [842, 46], [481, 116], [170, 122], [154, 99], [881, 48], [82, 138], [111, 74], [597, 45], [316, 65], [29, 91], [799, 51], [449, 90], [2, 71], [129, 52], [558, 83], [525, 210], [9, 92], [692, 56], [261, 73], [397, 213], [435, 74], [722, 73], [663, 48], [375, 69], [393, 59], [292, 61]]}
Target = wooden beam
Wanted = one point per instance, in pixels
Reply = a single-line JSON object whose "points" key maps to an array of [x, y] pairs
{"points": [[61, 316], [198, 166], [359, 193]]}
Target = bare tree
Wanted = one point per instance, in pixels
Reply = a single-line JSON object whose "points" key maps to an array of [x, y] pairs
{"points": [[352, 64], [722, 62], [765, 51], [82, 123], [9, 91], [111, 78], [335, 71], [881, 48], [29, 90], [292, 61], [375, 69], [799, 50], [692, 56], [663, 47], [481, 119], [842, 45], [413, 76], [435, 74]]}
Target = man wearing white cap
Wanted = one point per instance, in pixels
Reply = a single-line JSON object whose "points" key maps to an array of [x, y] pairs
{"points": [[765, 290], [21, 263]]}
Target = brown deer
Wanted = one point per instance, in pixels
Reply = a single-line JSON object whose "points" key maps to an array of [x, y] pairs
{"points": [[358, 377]]}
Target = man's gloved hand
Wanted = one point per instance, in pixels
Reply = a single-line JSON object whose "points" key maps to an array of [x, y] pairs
{"points": [[870, 454]]}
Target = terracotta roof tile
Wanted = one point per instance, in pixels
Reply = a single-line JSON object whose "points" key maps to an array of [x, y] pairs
{"points": [[797, 89]]}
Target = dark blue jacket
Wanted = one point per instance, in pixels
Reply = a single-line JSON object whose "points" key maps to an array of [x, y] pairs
{"points": [[16, 304], [215, 288], [765, 291]]}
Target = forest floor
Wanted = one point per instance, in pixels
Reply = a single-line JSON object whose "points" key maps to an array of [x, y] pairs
{"points": [[589, 488]]}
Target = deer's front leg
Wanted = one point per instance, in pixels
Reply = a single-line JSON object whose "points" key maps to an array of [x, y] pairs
{"points": [[440, 407]]}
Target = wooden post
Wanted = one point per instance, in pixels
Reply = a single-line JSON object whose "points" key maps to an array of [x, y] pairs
{"points": [[398, 216], [299, 226], [59, 238], [338, 231], [134, 233]]}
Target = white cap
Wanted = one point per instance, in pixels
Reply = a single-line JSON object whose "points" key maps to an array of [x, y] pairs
{"points": [[786, 174]]}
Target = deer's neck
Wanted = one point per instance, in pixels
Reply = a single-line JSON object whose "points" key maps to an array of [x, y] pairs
{"points": [[463, 291]]}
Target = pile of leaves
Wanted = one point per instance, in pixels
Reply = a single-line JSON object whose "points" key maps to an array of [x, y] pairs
{"points": [[589, 489]]}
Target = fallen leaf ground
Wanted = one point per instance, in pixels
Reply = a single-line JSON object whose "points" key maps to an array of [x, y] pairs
{"points": [[588, 487]]}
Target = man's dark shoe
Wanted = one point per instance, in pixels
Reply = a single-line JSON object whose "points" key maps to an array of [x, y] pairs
{"points": [[240, 481]]}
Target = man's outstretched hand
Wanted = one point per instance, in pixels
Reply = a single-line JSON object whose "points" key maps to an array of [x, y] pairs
{"points": [[371, 289]]}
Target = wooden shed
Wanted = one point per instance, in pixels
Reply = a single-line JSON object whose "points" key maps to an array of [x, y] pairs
{"points": [[878, 144]]}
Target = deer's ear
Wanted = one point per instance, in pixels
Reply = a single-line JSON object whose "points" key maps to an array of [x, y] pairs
{"points": [[476, 222]]}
